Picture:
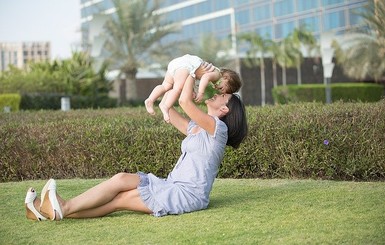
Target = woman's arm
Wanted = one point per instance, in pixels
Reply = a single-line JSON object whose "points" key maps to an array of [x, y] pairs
{"points": [[178, 121], [204, 120]]}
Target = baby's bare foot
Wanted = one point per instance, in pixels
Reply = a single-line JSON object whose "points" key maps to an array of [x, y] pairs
{"points": [[164, 110], [149, 106]]}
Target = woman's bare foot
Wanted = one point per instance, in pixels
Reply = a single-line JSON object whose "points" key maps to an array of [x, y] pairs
{"points": [[164, 110], [149, 106]]}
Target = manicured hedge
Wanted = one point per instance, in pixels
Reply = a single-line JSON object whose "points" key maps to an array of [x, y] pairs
{"points": [[49, 101], [10, 100], [339, 141], [348, 92]]}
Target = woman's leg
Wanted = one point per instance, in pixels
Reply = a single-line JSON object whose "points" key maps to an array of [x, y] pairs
{"points": [[158, 91], [108, 192], [180, 77], [127, 200]]}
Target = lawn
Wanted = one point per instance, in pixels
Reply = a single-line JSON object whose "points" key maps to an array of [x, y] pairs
{"points": [[243, 211]]}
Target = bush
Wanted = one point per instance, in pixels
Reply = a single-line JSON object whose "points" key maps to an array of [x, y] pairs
{"points": [[339, 141], [49, 101], [10, 100], [348, 92]]}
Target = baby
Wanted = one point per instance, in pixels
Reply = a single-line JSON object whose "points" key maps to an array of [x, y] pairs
{"points": [[189, 66]]}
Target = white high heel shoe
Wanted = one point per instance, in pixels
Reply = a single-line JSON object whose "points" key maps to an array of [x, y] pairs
{"points": [[49, 204], [32, 213]]}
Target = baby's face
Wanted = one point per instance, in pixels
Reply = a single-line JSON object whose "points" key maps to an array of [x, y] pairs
{"points": [[223, 84]]}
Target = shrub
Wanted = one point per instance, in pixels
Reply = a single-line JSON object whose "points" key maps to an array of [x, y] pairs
{"points": [[50, 101], [364, 92], [339, 141], [10, 100]]}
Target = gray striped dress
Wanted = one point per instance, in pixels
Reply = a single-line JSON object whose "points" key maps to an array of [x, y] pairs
{"points": [[188, 186]]}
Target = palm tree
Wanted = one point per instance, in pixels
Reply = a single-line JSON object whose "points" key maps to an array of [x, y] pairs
{"points": [[363, 54], [255, 57], [288, 56], [210, 49], [133, 37], [302, 38], [274, 51]]}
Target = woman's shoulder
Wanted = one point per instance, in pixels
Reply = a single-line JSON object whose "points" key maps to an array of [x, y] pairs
{"points": [[220, 126]]}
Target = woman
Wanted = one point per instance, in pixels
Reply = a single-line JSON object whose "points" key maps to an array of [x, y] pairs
{"points": [[186, 188]]}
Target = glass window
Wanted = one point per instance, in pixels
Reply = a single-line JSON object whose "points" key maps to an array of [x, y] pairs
{"points": [[203, 27], [185, 13], [169, 2], [265, 31], [283, 7], [354, 16], [282, 30], [334, 20], [173, 15], [261, 12], [238, 3], [243, 17], [311, 23], [331, 2], [108, 4], [201, 8], [222, 23], [221, 4], [304, 5]]}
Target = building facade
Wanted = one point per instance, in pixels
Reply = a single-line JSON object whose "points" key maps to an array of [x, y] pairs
{"points": [[20, 53], [273, 19]]}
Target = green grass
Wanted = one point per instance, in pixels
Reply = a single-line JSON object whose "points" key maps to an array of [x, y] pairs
{"points": [[245, 211]]}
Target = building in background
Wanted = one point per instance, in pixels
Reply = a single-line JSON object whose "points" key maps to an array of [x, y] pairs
{"points": [[20, 53], [273, 19], [269, 18]]}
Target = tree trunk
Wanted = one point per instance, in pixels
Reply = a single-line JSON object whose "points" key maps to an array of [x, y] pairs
{"points": [[131, 92], [275, 83], [299, 77], [263, 85], [122, 92]]}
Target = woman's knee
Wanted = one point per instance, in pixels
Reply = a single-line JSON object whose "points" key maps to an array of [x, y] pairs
{"points": [[126, 180]]}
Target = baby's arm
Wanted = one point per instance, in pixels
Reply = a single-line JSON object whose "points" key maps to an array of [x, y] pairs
{"points": [[206, 78]]}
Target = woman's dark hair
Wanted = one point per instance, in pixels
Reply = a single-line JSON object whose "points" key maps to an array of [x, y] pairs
{"points": [[236, 122]]}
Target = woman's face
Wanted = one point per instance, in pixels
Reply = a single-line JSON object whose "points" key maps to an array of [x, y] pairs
{"points": [[218, 101]]}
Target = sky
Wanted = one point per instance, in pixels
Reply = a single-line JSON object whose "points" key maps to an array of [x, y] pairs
{"points": [[55, 21]]}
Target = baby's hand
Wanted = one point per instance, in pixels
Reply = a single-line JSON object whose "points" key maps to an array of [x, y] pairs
{"points": [[199, 97]]}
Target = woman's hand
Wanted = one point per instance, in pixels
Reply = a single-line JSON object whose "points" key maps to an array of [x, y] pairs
{"points": [[208, 67]]}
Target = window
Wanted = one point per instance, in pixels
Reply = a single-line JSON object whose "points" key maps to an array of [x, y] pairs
{"points": [[303, 5], [261, 12], [354, 16], [331, 2], [283, 7], [238, 3], [282, 30], [221, 4], [334, 20], [222, 23], [312, 23], [264, 31], [243, 17]]}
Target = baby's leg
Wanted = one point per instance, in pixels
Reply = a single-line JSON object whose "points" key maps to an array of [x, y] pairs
{"points": [[173, 95], [158, 91]]}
